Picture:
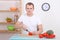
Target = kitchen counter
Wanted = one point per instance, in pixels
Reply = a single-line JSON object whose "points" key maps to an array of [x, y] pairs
{"points": [[27, 37]]}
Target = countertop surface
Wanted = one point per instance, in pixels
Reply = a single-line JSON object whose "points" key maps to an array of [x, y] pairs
{"points": [[15, 36], [27, 37]]}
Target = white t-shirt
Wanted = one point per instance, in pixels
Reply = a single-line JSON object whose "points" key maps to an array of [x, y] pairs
{"points": [[30, 22]]}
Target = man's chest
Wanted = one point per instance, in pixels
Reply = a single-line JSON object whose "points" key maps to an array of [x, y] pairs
{"points": [[30, 21]]}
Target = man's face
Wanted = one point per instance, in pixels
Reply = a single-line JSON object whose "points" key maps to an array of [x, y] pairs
{"points": [[29, 9]]}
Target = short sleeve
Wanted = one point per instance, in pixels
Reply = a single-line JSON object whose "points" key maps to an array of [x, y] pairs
{"points": [[39, 21], [20, 19]]}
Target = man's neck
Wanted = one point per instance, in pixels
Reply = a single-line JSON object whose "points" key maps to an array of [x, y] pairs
{"points": [[29, 14]]}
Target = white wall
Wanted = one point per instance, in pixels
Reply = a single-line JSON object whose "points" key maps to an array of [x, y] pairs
{"points": [[50, 19]]}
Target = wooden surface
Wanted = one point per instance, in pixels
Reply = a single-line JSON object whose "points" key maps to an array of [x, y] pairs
{"points": [[9, 0], [7, 31], [7, 11], [26, 35], [6, 23]]}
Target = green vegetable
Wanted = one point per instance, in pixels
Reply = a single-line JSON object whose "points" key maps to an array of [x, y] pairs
{"points": [[50, 32], [11, 28]]}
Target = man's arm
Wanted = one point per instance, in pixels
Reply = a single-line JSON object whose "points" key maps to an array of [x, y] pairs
{"points": [[40, 29], [20, 25]]}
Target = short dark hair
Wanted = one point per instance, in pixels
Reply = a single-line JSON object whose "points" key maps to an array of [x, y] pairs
{"points": [[29, 3]]}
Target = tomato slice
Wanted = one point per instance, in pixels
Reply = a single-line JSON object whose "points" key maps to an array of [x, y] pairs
{"points": [[30, 33]]}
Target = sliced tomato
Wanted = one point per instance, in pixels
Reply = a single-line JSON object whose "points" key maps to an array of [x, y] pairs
{"points": [[30, 33]]}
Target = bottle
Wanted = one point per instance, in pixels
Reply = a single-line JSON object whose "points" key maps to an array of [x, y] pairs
{"points": [[15, 18]]}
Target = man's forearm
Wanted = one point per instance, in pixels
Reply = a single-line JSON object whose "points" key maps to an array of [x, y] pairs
{"points": [[40, 29]]}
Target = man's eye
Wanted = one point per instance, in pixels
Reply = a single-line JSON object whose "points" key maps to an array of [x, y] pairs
{"points": [[30, 8], [27, 8]]}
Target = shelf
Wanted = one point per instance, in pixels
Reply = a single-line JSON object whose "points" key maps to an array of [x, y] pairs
{"points": [[7, 31], [7, 11], [9, 0], [6, 23]]}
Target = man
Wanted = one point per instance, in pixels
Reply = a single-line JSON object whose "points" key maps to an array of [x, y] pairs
{"points": [[29, 22]]}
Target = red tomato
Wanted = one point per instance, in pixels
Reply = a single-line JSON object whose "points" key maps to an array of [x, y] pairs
{"points": [[45, 34], [51, 36], [41, 36], [30, 33], [48, 36]]}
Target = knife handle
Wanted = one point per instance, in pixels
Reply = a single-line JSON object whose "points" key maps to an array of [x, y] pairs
{"points": [[27, 30]]}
